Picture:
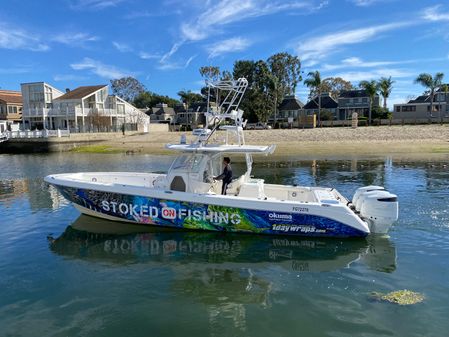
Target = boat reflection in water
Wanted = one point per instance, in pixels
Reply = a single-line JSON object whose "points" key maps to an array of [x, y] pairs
{"points": [[97, 239], [226, 273]]}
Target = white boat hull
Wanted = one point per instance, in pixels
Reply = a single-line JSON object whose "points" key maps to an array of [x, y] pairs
{"points": [[149, 206]]}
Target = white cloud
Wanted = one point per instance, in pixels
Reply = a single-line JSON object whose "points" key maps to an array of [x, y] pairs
{"points": [[148, 56], [215, 15], [357, 76], [74, 39], [355, 62], [68, 77], [435, 14], [166, 65], [93, 4], [15, 38], [16, 70], [121, 47], [232, 45], [365, 3], [230, 11], [318, 47], [100, 69], [146, 14]]}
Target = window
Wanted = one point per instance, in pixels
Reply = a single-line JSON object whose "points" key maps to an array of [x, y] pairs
{"points": [[365, 100], [101, 96], [188, 163], [408, 108], [36, 93], [398, 109], [12, 109]]}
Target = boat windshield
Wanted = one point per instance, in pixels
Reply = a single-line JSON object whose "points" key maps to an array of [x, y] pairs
{"points": [[190, 163]]}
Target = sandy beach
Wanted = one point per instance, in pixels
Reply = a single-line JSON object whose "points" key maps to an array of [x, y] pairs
{"points": [[395, 140]]}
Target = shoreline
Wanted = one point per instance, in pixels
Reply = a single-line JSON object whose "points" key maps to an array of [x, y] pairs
{"points": [[397, 141]]}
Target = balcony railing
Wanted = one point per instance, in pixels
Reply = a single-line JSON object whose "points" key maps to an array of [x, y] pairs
{"points": [[71, 112], [37, 134]]}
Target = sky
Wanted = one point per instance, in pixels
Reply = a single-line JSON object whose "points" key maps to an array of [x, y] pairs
{"points": [[69, 43]]}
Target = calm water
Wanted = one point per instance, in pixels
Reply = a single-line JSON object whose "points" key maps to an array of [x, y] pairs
{"points": [[62, 274]]}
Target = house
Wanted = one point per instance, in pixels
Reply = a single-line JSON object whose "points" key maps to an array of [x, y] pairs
{"points": [[350, 101], [84, 109], [419, 108], [11, 106], [192, 117], [37, 101], [327, 104], [161, 113], [290, 107]]}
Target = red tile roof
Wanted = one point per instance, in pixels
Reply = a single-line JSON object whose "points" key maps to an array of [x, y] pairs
{"points": [[81, 92], [11, 97]]}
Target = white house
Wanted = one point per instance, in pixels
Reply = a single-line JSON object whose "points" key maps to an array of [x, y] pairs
{"points": [[84, 109]]}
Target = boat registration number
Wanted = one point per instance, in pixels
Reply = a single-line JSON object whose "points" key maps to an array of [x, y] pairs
{"points": [[300, 209]]}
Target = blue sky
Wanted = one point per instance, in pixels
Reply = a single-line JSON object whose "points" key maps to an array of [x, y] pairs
{"points": [[69, 43]]}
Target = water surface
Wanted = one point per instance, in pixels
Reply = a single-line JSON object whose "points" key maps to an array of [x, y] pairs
{"points": [[62, 274]]}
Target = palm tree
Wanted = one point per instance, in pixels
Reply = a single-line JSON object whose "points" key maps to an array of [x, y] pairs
{"points": [[371, 88], [432, 83], [385, 87], [314, 83]]}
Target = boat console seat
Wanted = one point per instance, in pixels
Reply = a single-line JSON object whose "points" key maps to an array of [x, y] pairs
{"points": [[254, 188]]}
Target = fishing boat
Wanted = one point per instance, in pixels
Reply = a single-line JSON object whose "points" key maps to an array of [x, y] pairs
{"points": [[189, 197]]}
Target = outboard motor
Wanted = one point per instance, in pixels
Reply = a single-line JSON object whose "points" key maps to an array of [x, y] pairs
{"points": [[380, 209], [363, 190]]}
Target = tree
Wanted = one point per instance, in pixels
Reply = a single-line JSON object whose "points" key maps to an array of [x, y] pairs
{"points": [[246, 69], [188, 97], [285, 75], [226, 75], [385, 87], [431, 83], [149, 99], [144, 100], [313, 81], [370, 88], [211, 73], [332, 85], [262, 93], [127, 88], [287, 69]]}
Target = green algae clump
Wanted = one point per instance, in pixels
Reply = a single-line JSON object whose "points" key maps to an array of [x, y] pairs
{"points": [[401, 297]]}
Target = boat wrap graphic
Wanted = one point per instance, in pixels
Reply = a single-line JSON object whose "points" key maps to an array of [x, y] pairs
{"points": [[189, 215]]}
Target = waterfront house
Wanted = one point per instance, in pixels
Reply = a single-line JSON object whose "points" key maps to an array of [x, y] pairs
{"points": [[350, 101], [291, 108], [11, 106], [419, 108], [162, 113], [84, 109], [193, 117], [327, 104], [37, 102]]}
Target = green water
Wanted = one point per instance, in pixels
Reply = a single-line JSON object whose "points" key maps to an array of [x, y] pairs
{"points": [[62, 274]]}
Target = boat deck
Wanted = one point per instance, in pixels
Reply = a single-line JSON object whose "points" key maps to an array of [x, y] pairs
{"points": [[252, 189]]}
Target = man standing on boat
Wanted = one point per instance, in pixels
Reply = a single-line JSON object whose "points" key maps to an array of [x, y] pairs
{"points": [[226, 176]]}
